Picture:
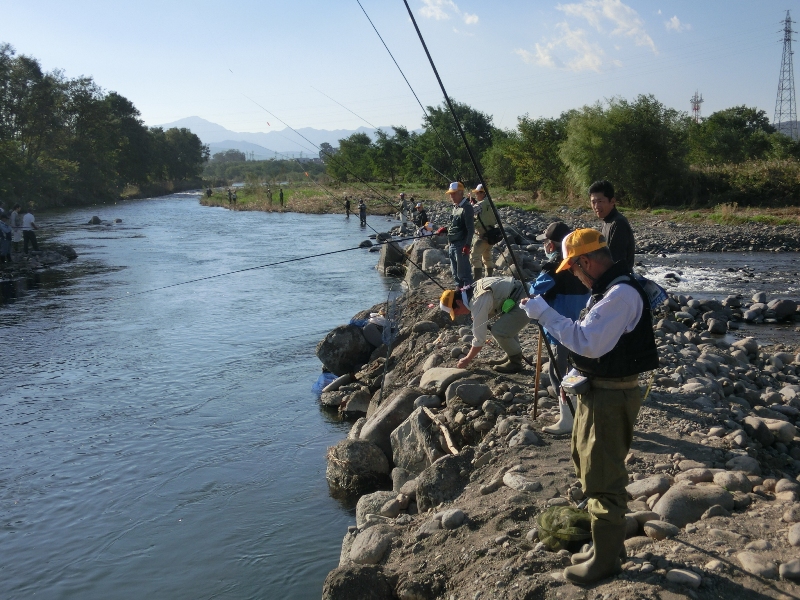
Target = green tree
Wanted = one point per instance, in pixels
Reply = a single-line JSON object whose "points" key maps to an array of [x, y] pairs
{"points": [[733, 135], [387, 155], [353, 161], [640, 146]]}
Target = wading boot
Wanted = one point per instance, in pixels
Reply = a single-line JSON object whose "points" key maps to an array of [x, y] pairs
{"points": [[489, 271], [498, 361], [477, 273], [608, 539], [582, 557], [512, 365], [564, 424]]}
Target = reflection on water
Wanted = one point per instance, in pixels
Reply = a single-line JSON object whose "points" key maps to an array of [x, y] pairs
{"points": [[167, 444]]}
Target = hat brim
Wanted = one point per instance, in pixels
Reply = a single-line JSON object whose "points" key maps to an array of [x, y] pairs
{"points": [[448, 310], [565, 264], [541, 237]]}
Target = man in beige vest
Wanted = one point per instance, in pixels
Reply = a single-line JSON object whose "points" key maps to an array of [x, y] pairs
{"points": [[481, 249]]}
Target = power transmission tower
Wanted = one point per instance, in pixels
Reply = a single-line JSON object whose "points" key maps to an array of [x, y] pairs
{"points": [[696, 101], [785, 119]]}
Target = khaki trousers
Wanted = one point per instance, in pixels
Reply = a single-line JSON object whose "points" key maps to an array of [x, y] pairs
{"points": [[506, 330], [481, 250], [601, 439]]}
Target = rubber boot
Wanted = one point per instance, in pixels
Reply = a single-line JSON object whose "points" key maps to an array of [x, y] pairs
{"points": [[512, 365], [564, 424], [608, 539], [477, 273], [498, 361], [489, 271], [582, 557]]}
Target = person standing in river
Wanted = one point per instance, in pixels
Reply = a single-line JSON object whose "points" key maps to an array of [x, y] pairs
{"points": [[615, 229], [16, 227], [28, 235], [346, 207], [362, 212]]}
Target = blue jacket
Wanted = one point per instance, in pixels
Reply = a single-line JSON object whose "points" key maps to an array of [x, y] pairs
{"points": [[563, 291]]}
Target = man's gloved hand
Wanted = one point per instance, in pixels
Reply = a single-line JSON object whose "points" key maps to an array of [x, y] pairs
{"points": [[534, 307], [465, 250], [441, 231]]}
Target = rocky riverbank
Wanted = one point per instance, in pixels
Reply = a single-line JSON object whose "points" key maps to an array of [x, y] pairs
{"points": [[452, 470], [50, 255]]}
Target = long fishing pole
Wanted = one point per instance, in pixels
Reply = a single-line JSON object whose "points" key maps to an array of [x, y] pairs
{"points": [[429, 165], [542, 338], [424, 112]]}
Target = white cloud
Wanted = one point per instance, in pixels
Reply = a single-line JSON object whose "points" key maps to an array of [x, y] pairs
{"points": [[674, 24], [623, 18], [585, 55], [441, 10]]}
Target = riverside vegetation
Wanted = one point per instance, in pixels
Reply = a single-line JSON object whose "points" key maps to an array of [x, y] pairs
{"points": [[452, 475]]}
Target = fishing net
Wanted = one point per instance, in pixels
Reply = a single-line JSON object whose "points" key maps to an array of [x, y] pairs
{"points": [[560, 525]]}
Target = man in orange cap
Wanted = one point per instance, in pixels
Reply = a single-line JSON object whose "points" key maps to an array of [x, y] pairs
{"points": [[609, 347]]}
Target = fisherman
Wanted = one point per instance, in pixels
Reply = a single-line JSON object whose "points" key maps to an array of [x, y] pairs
{"points": [[481, 249], [489, 297], [5, 238], [28, 234], [346, 207], [568, 296], [209, 192], [421, 217], [16, 227], [459, 235], [280, 196], [230, 196], [362, 212], [269, 196], [233, 197], [609, 347], [616, 228]]}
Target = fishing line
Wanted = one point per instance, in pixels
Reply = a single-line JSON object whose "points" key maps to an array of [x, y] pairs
{"points": [[475, 165], [441, 141], [331, 156], [445, 177]]}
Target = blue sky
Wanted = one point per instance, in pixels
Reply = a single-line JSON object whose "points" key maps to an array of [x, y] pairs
{"points": [[177, 59]]}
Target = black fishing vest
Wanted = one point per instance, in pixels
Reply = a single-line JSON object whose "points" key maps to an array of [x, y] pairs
{"points": [[635, 351]]}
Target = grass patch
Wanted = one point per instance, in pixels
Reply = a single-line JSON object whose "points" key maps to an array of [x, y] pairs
{"points": [[661, 211]]}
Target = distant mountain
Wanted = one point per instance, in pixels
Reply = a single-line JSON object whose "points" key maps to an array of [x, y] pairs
{"points": [[265, 145]]}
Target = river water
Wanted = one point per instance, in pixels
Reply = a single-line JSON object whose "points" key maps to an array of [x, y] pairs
{"points": [[168, 444]]}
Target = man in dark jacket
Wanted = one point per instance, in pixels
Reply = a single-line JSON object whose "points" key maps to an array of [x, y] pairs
{"points": [[459, 234], [609, 347], [616, 229], [567, 295]]}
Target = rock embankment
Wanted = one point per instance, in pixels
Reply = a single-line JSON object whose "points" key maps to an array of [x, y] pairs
{"points": [[453, 472], [51, 255]]}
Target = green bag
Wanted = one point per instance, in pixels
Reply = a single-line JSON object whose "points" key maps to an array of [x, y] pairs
{"points": [[560, 525]]}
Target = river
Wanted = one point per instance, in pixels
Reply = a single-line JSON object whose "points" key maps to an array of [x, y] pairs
{"points": [[167, 444]]}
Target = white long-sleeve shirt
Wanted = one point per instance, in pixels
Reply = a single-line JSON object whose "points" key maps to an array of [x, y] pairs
{"points": [[599, 331]]}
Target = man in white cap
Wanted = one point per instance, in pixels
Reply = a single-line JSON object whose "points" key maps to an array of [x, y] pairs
{"points": [[610, 347], [459, 234], [481, 249]]}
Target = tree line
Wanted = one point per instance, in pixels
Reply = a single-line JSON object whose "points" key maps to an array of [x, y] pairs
{"points": [[655, 155], [232, 165], [67, 141]]}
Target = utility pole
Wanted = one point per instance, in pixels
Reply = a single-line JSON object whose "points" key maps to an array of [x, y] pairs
{"points": [[696, 101], [785, 119]]}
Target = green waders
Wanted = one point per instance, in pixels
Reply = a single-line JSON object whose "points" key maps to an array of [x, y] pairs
{"points": [[601, 438]]}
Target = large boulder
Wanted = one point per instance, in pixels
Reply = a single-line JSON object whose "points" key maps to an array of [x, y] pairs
{"points": [[389, 416], [684, 504], [362, 582], [414, 445], [444, 480], [391, 255], [433, 257], [437, 379], [758, 430], [783, 308], [356, 466], [371, 504], [344, 350], [371, 545]]}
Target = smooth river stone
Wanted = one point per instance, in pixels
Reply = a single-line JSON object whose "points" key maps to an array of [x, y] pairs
{"points": [[649, 486], [660, 530], [685, 577], [682, 505], [756, 565]]}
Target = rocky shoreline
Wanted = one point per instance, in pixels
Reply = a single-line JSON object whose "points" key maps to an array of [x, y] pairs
{"points": [[453, 472]]}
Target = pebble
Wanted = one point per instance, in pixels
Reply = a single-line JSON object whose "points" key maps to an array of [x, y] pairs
{"points": [[794, 535], [684, 577], [756, 565], [790, 570]]}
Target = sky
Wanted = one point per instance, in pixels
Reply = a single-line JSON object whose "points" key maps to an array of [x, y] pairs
{"points": [[230, 63]]}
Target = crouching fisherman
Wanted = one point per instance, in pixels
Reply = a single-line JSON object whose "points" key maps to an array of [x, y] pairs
{"points": [[609, 346], [488, 297]]}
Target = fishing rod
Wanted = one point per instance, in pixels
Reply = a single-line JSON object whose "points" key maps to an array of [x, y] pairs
{"points": [[424, 112], [445, 177], [542, 337]]}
